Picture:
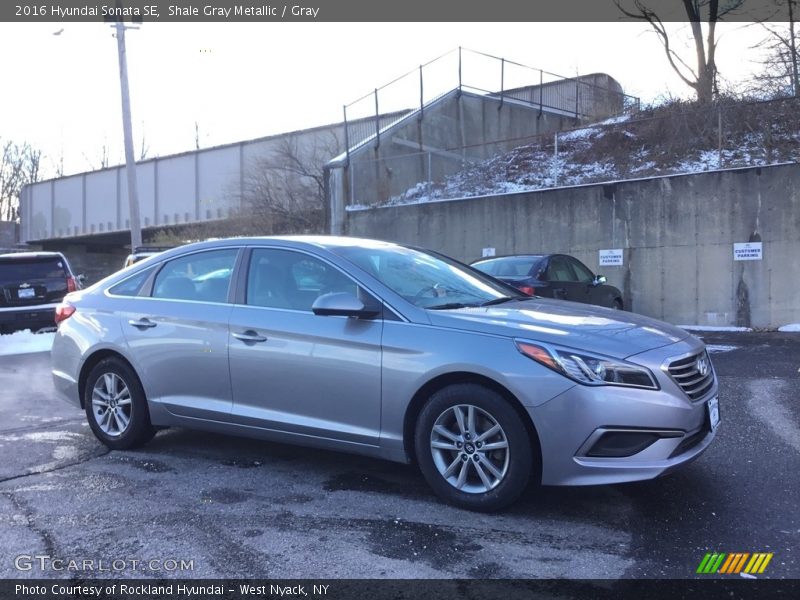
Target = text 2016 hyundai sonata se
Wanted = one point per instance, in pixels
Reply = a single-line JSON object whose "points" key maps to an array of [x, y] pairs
{"points": [[380, 349]]}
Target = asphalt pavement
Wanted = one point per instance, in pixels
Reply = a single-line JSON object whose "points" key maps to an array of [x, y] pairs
{"points": [[194, 504]]}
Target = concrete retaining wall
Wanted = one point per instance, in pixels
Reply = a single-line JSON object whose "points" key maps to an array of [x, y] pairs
{"points": [[677, 234]]}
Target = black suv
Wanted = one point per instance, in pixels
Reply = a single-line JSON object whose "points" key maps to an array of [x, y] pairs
{"points": [[31, 286]]}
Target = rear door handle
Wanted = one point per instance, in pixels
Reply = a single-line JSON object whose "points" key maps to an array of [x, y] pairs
{"points": [[249, 336], [142, 323]]}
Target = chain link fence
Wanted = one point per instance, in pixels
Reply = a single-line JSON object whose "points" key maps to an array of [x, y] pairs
{"points": [[584, 97]]}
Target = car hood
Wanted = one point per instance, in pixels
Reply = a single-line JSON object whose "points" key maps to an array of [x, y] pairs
{"points": [[592, 328]]}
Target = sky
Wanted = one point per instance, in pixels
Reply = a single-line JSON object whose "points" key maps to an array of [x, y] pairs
{"points": [[238, 81]]}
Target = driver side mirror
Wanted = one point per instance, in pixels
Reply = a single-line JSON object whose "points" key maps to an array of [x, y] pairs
{"points": [[342, 304], [599, 280]]}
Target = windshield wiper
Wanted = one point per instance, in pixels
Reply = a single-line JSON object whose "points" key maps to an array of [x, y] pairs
{"points": [[451, 305], [501, 300]]}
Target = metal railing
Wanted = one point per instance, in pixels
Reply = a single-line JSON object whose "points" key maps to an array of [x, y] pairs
{"points": [[467, 70]]}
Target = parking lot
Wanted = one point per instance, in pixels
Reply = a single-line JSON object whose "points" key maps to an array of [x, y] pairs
{"points": [[230, 507]]}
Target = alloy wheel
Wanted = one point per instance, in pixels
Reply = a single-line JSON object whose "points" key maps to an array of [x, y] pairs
{"points": [[111, 404], [469, 449]]}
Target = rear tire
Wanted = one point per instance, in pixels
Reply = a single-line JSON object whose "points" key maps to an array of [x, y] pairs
{"points": [[473, 448], [617, 304], [116, 407]]}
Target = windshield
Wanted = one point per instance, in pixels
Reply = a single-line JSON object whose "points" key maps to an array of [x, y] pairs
{"points": [[511, 266], [428, 280]]}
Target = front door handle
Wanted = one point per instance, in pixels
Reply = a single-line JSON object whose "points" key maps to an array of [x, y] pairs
{"points": [[142, 323], [249, 336]]}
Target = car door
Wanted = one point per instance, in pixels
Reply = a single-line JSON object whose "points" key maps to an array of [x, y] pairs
{"points": [[297, 372], [177, 334], [584, 289], [561, 279]]}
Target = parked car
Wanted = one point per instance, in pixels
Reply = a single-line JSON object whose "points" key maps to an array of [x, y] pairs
{"points": [[142, 252], [388, 351], [31, 286], [553, 276]]}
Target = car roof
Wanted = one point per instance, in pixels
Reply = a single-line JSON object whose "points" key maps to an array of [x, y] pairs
{"points": [[533, 256], [151, 248], [32, 255], [321, 241], [331, 241]]}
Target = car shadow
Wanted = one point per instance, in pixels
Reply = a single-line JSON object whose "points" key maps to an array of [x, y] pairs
{"points": [[342, 472]]}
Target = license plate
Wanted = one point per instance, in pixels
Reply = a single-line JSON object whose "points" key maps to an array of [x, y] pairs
{"points": [[713, 412], [26, 293]]}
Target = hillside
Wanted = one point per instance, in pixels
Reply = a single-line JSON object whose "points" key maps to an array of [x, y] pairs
{"points": [[666, 140]]}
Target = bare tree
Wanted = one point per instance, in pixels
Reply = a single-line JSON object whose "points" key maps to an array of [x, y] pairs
{"points": [[284, 191], [780, 75], [19, 165], [702, 77], [102, 163], [59, 164], [145, 148]]}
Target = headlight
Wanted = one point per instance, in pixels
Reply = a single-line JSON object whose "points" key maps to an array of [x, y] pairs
{"points": [[588, 369]]}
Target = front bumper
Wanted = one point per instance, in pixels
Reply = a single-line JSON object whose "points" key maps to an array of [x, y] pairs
{"points": [[566, 448]]}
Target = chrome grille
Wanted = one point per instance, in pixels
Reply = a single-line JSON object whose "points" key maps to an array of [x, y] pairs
{"points": [[686, 372]]}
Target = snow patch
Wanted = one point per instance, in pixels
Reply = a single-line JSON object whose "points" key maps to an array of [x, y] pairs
{"points": [[577, 134], [42, 436], [39, 487], [65, 453], [790, 327], [719, 348], [25, 342], [618, 119], [712, 328]]}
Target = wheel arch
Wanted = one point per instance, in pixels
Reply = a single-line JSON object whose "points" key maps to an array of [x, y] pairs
{"points": [[446, 379], [91, 362]]}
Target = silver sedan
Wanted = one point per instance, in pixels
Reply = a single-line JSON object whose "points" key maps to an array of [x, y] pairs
{"points": [[384, 350]]}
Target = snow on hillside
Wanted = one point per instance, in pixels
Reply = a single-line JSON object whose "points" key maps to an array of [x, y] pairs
{"points": [[653, 143]]}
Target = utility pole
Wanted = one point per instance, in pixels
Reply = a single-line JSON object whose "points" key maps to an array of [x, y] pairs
{"points": [[130, 161]]}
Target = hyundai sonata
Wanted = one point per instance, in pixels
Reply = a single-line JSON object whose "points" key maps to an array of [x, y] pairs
{"points": [[389, 351]]}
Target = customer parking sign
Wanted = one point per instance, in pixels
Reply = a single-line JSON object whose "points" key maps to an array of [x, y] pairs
{"points": [[747, 251]]}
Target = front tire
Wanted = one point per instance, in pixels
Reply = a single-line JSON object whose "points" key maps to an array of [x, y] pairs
{"points": [[473, 448], [116, 406]]}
